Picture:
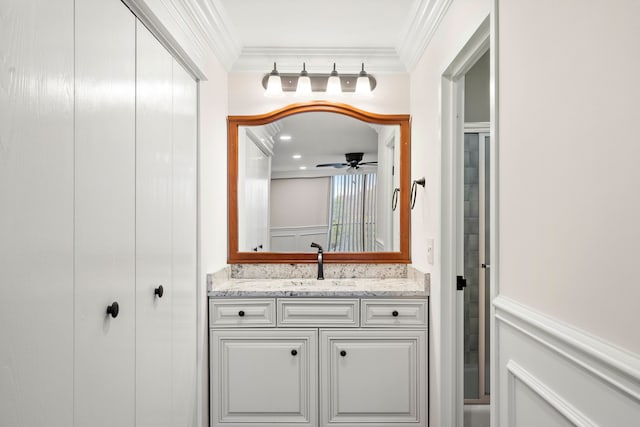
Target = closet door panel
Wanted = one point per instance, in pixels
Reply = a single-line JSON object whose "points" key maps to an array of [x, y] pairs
{"points": [[36, 213], [184, 247], [154, 92], [104, 213]]}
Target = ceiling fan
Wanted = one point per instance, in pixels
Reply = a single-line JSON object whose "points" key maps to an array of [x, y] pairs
{"points": [[354, 160]]}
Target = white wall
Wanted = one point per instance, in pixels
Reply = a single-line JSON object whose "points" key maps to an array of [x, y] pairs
{"points": [[246, 95], [213, 170], [213, 198], [300, 202], [460, 22], [569, 200], [476, 91]]}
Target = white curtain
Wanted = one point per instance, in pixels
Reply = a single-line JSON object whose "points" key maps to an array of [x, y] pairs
{"points": [[353, 213]]}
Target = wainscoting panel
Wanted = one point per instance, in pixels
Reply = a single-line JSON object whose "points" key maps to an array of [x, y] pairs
{"points": [[298, 239], [552, 375]]}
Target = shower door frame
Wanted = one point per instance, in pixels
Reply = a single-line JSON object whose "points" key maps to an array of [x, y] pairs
{"points": [[482, 130]]}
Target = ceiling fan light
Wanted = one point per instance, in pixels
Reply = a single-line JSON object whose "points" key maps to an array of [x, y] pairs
{"points": [[363, 84], [334, 87], [303, 89], [274, 85]]}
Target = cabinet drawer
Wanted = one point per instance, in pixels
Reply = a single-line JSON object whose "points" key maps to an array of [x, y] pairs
{"points": [[318, 312], [234, 313], [396, 312]]}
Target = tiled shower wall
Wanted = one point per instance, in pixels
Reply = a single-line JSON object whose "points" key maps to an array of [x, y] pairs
{"points": [[471, 264]]}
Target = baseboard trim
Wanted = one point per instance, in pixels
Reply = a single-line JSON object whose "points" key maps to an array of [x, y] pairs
{"points": [[617, 367]]}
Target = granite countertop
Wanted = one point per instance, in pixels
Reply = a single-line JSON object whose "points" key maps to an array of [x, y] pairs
{"points": [[414, 284]]}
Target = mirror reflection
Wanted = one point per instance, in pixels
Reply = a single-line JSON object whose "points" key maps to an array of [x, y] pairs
{"points": [[318, 177]]}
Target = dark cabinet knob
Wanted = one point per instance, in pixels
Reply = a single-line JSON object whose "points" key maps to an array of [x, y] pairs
{"points": [[113, 309], [395, 313], [159, 291], [343, 353], [294, 352], [241, 313]]}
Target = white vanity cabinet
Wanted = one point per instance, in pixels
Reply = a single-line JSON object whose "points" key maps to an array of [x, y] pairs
{"points": [[265, 377], [318, 362]]}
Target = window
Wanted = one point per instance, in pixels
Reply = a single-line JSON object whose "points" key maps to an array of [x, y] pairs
{"points": [[353, 213]]}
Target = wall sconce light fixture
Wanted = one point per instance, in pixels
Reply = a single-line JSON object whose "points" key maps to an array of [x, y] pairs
{"points": [[363, 85], [334, 87], [274, 83], [305, 83], [303, 88]]}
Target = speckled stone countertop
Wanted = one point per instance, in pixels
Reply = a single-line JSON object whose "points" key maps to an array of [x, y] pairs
{"points": [[413, 284]]}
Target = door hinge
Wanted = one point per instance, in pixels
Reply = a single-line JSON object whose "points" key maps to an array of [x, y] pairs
{"points": [[461, 283]]}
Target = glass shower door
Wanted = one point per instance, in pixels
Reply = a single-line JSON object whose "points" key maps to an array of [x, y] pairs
{"points": [[476, 268]]}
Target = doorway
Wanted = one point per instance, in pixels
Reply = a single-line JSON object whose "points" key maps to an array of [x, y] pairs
{"points": [[467, 310]]}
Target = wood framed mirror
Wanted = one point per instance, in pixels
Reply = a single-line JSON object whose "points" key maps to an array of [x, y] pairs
{"points": [[318, 171]]}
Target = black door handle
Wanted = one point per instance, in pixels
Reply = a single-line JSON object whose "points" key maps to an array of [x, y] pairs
{"points": [[343, 353], [159, 291], [395, 313], [113, 309], [294, 352], [241, 313]]}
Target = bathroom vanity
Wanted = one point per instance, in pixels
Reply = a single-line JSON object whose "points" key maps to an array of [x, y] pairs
{"points": [[304, 352]]}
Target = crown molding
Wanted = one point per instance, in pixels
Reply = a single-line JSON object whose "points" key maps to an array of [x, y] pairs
{"points": [[262, 140], [423, 24], [319, 59], [193, 30], [210, 21]]}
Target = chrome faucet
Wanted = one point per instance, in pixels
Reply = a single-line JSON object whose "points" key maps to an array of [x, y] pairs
{"points": [[320, 267]]}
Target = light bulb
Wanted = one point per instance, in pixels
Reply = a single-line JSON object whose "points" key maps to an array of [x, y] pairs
{"points": [[274, 85], [304, 83], [363, 85], [334, 87]]}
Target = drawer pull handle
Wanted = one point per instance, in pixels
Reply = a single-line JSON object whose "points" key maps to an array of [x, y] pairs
{"points": [[294, 352], [395, 313], [113, 310], [159, 291], [343, 353], [241, 313]]}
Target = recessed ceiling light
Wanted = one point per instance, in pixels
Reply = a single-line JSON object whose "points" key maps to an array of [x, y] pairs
{"points": [[303, 167], [297, 156], [285, 137]]}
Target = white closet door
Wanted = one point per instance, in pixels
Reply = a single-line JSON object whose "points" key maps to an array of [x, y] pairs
{"points": [[153, 231], [105, 214], [36, 213], [184, 247]]}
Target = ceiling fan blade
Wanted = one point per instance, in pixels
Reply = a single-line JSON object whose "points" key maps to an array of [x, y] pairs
{"points": [[368, 163], [332, 165]]}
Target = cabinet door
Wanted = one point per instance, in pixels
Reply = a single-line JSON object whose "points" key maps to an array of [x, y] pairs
{"points": [[183, 290], [263, 377], [153, 230], [36, 213], [373, 378], [104, 214]]}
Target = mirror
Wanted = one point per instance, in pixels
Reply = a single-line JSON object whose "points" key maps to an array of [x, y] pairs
{"points": [[318, 172]]}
